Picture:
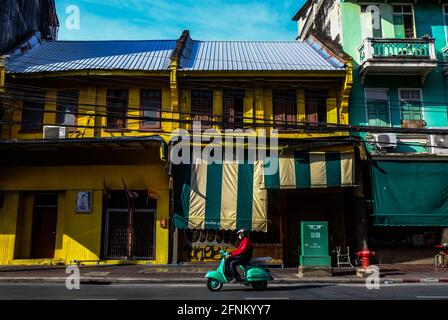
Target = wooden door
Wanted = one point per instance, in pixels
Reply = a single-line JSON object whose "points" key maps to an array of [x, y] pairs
{"points": [[44, 232]]}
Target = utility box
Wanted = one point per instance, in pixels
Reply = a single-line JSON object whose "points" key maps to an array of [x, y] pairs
{"points": [[314, 246]]}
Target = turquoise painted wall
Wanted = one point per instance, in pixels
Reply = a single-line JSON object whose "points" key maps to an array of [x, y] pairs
{"points": [[429, 20]]}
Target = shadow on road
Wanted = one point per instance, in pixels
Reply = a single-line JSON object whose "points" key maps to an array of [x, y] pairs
{"points": [[284, 288], [299, 287]]}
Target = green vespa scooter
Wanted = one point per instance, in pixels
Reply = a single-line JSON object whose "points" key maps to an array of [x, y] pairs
{"points": [[255, 274]]}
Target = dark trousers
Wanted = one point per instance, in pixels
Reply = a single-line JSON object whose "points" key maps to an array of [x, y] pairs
{"points": [[233, 263]]}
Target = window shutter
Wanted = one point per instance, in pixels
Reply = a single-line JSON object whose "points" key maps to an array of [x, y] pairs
{"points": [[399, 27], [378, 113]]}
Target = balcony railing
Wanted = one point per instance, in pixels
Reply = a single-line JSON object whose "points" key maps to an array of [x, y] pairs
{"points": [[385, 56], [376, 48]]}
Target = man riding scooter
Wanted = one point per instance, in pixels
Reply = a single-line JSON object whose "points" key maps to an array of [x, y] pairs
{"points": [[241, 256]]}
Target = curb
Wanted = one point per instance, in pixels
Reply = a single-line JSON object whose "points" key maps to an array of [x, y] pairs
{"points": [[105, 281], [197, 280]]}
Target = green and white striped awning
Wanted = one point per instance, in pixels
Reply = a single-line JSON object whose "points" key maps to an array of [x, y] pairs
{"points": [[220, 196], [231, 196], [305, 170]]}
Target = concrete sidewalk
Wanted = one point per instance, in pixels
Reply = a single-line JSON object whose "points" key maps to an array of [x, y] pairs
{"points": [[194, 273]]}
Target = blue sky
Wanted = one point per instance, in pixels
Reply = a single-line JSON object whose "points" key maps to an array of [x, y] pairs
{"points": [[165, 19]]}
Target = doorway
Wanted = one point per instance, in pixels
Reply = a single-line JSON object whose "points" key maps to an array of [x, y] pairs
{"points": [[294, 206], [43, 234], [116, 227]]}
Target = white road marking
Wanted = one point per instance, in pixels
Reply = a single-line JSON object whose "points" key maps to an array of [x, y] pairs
{"points": [[96, 299], [267, 298], [433, 297]]}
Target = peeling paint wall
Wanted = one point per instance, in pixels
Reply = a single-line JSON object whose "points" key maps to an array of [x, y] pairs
{"points": [[327, 20]]}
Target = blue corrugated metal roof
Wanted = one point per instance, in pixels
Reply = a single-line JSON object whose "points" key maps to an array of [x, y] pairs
{"points": [[257, 56], [57, 56], [54, 56]]}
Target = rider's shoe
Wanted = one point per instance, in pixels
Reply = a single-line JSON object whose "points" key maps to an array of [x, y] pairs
{"points": [[238, 280]]}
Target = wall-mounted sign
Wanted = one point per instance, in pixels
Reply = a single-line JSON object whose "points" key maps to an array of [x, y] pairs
{"points": [[84, 202]]}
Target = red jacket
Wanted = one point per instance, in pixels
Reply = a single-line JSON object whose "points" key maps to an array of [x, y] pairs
{"points": [[244, 246]]}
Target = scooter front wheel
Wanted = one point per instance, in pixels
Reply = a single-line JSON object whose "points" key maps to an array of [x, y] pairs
{"points": [[214, 285]]}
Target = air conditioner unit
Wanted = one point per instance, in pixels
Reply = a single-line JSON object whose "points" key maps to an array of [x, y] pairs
{"points": [[438, 143], [385, 141], [54, 132]]}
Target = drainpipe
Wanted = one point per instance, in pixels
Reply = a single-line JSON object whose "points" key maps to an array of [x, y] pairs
{"points": [[178, 53]]}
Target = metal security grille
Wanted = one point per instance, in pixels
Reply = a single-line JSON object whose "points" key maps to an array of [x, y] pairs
{"points": [[144, 225], [116, 234]]}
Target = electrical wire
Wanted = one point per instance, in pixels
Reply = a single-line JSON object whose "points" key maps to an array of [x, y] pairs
{"points": [[392, 106]]}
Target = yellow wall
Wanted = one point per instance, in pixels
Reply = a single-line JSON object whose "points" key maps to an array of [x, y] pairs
{"points": [[78, 235], [8, 218], [258, 103]]}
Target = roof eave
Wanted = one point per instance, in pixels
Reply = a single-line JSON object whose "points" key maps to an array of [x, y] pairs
{"points": [[74, 73], [302, 10]]}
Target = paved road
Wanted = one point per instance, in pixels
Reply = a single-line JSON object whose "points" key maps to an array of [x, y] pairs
{"points": [[231, 292]]}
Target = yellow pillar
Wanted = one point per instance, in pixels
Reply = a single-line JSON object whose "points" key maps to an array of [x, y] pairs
{"points": [[50, 114], [345, 93], [263, 106], [2, 74], [87, 101], [186, 108], [175, 104], [100, 110], [332, 108], [168, 112], [8, 223], [217, 108], [249, 107], [162, 234], [301, 109], [134, 110], [174, 86]]}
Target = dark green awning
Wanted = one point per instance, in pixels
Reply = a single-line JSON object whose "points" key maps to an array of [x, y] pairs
{"points": [[410, 193]]}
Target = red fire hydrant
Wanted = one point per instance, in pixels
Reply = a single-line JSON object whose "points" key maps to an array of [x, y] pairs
{"points": [[365, 254]]}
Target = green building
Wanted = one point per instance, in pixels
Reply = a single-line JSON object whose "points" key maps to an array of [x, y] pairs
{"points": [[398, 108]]}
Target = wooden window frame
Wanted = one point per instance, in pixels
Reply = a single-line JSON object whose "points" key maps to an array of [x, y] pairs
{"points": [[157, 127], [35, 95], [400, 90], [207, 116], [324, 106], [290, 97], [388, 104], [231, 119], [402, 13], [108, 106]]}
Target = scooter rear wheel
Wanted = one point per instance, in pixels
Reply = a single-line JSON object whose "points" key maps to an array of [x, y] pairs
{"points": [[259, 286], [214, 285]]}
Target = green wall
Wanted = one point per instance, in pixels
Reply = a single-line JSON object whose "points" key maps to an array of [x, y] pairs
{"points": [[428, 21]]}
